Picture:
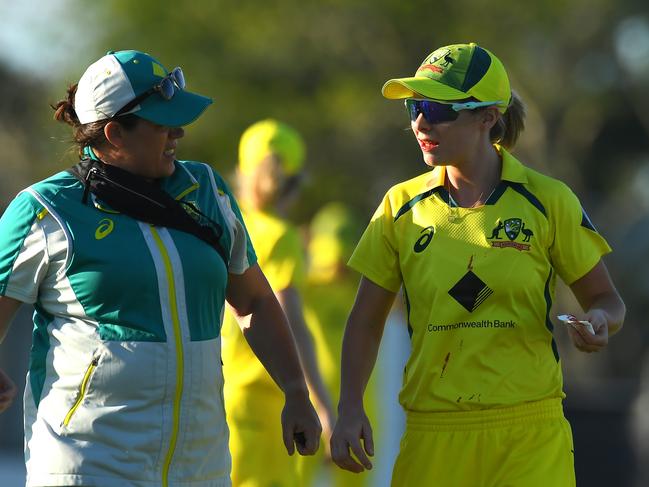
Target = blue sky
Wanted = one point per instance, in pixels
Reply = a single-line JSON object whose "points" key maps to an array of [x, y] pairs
{"points": [[44, 37]]}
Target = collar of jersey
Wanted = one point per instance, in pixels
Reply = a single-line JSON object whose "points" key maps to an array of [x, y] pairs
{"points": [[513, 170], [180, 183]]}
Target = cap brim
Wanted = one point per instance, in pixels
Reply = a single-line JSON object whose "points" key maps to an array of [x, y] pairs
{"points": [[396, 89], [182, 109]]}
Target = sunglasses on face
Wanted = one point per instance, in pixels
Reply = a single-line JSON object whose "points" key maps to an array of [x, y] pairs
{"points": [[167, 88], [438, 112]]}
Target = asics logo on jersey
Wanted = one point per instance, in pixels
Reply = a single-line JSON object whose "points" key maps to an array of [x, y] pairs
{"points": [[423, 241], [105, 227], [512, 227]]}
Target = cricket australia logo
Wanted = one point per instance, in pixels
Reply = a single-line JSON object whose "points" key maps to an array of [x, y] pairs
{"points": [[513, 229], [193, 209], [433, 64]]}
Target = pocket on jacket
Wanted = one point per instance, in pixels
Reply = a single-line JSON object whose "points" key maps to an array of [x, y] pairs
{"points": [[82, 391]]}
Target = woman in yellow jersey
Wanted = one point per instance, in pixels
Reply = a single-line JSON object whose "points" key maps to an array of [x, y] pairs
{"points": [[271, 156], [476, 244], [328, 297]]}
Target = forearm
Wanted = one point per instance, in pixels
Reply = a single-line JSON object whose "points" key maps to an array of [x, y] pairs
{"points": [[270, 338], [361, 341], [596, 291], [613, 306], [291, 304], [308, 358], [359, 352]]}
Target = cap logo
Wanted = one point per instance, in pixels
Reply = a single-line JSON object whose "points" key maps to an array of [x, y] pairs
{"points": [[434, 63], [159, 70]]}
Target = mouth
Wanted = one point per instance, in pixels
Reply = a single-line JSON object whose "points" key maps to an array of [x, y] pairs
{"points": [[427, 145], [170, 152]]}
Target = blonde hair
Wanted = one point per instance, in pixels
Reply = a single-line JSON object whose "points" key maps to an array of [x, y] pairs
{"points": [[510, 124]]}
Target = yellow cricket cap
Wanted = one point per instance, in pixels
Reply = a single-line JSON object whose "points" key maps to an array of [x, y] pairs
{"points": [[270, 137]]}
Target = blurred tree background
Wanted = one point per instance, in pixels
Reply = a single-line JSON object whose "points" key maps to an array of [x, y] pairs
{"points": [[582, 67]]}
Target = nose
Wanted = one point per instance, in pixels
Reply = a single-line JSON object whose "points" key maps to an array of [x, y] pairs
{"points": [[420, 124], [176, 132]]}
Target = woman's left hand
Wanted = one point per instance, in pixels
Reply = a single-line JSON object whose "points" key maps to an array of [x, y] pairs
{"points": [[583, 339]]}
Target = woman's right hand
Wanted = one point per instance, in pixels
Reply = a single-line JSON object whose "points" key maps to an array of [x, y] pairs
{"points": [[8, 391], [352, 427], [301, 427]]}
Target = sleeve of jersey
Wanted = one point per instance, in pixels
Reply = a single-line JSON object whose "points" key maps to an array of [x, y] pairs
{"points": [[23, 250], [577, 246], [376, 255], [243, 254], [285, 266]]}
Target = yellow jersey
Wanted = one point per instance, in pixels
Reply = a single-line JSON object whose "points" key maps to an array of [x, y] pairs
{"points": [[479, 284]]}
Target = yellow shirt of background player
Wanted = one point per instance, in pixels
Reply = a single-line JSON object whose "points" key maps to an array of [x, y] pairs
{"points": [[280, 255]]}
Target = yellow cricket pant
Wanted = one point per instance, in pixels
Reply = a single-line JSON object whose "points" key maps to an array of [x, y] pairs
{"points": [[529, 445], [259, 457]]}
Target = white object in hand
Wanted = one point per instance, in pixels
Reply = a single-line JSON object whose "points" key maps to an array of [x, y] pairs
{"points": [[572, 320]]}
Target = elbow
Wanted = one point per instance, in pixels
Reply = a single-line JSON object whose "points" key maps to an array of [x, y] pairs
{"points": [[618, 319], [622, 313]]}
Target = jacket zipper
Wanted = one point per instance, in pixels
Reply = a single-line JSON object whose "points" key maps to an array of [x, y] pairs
{"points": [[81, 394], [175, 318]]}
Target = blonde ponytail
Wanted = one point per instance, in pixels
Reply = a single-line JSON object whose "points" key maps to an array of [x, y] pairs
{"points": [[511, 124]]}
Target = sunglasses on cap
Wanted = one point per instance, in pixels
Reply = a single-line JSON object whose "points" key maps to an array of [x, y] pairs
{"points": [[166, 89], [438, 112]]}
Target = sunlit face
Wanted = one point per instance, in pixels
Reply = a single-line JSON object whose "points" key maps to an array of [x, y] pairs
{"points": [[149, 150], [448, 143]]}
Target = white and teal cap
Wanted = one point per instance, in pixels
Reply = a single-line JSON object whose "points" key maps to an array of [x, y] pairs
{"points": [[119, 77]]}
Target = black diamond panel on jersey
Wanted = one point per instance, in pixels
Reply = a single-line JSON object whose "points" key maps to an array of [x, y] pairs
{"points": [[470, 291]]}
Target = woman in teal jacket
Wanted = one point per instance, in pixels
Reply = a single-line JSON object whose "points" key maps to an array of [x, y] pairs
{"points": [[128, 259]]}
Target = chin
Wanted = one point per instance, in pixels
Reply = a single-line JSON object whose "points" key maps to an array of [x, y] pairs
{"points": [[168, 169], [430, 160]]}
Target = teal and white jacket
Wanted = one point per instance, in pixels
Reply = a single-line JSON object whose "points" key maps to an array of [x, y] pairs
{"points": [[125, 383]]}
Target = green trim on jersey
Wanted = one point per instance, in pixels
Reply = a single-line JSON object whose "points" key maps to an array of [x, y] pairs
{"points": [[38, 355], [479, 284], [20, 215]]}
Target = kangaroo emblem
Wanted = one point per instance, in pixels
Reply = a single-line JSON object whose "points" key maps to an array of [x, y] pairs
{"points": [[495, 233], [447, 60]]}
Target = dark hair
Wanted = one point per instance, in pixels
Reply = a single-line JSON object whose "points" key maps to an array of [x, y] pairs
{"points": [[510, 124], [86, 134]]}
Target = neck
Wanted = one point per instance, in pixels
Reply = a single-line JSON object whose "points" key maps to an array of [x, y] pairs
{"points": [[115, 159], [471, 182]]}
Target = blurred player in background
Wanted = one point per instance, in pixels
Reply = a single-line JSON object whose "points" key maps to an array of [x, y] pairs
{"points": [[271, 157], [328, 298]]}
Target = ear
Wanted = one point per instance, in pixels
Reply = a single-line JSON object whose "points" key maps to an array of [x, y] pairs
{"points": [[114, 134], [489, 117]]}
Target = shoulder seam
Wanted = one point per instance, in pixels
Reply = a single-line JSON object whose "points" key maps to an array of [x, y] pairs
{"points": [[41, 199], [413, 201], [529, 196]]}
